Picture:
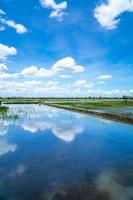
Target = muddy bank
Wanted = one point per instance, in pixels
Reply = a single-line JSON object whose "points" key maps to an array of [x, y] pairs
{"points": [[106, 115]]}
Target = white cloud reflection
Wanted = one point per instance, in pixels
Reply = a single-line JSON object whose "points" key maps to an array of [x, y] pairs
{"points": [[6, 147], [3, 129], [108, 182], [64, 130], [41, 118], [67, 131], [20, 169]]}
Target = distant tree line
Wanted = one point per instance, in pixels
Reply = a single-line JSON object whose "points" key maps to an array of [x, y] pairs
{"points": [[125, 98]]}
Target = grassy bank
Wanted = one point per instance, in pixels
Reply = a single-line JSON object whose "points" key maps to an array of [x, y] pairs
{"points": [[95, 104], [21, 101]]}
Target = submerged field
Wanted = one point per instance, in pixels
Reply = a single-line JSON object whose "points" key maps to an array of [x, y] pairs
{"points": [[48, 153], [113, 109], [97, 104]]}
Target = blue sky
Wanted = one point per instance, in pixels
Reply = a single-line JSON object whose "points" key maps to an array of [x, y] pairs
{"points": [[66, 48]]}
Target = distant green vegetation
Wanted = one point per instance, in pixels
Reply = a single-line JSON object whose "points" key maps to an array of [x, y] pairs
{"points": [[89, 104], [21, 101]]}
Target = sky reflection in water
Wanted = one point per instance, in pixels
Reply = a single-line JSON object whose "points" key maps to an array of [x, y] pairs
{"points": [[51, 154]]}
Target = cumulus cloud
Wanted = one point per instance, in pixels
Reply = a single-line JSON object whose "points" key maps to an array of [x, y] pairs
{"points": [[108, 13], [7, 75], [83, 83], [35, 71], [6, 51], [57, 9], [66, 65], [20, 29], [69, 64], [43, 89], [110, 93], [3, 67], [104, 77]]}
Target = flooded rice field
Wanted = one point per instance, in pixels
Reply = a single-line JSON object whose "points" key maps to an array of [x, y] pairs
{"points": [[52, 154]]}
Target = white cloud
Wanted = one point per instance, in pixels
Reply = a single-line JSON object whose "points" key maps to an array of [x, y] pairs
{"points": [[18, 27], [108, 13], [104, 77], [66, 65], [7, 75], [69, 64], [35, 71], [57, 9], [32, 70], [83, 83], [2, 12], [43, 89], [6, 51], [65, 76], [110, 93], [3, 67]]}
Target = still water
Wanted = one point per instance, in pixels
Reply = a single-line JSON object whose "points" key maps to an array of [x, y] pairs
{"points": [[52, 154]]}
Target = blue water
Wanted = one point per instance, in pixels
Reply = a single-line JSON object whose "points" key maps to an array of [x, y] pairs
{"points": [[52, 154]]}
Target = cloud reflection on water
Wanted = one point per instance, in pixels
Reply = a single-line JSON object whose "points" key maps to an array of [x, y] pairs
{"points": [[6, 147], [40, 118], [20, 169], [52, 161], [108, 182], [3, 129], [64, 130]]}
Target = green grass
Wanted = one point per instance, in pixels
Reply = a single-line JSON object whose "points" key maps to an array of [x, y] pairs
{"points": [[21, 102], [95, 104], [3, 109], [4, 115]]}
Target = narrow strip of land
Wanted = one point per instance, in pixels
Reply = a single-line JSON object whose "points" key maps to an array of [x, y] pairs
{"points": [[106, 115]]}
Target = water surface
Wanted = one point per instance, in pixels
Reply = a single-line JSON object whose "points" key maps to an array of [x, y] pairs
{"points": [[52, 154]]}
